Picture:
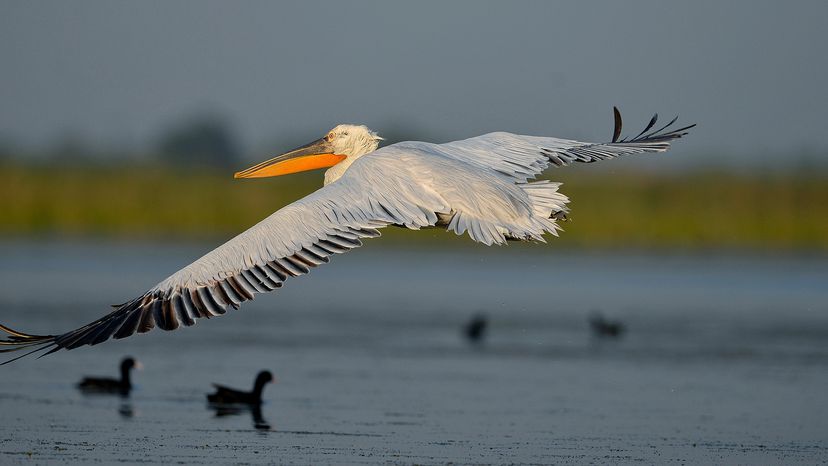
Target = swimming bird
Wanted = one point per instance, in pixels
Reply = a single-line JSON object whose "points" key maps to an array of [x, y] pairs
{"points": [[483, 186], [475, 329], [225, 395], [603, 327], [120, 386]]}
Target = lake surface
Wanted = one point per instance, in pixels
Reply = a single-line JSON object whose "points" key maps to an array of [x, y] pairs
{"points": [[725, 360]]}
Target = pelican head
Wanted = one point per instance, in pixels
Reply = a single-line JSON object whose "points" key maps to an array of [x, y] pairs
{"points": [[339, 148]]}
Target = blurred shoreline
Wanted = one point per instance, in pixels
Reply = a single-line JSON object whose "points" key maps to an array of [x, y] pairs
{"points": [[695, 210]]}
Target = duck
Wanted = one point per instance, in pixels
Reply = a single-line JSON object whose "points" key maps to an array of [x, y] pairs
{"points": [[225, 395], [120, 386]]}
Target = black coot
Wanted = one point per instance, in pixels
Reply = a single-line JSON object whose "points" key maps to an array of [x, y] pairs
{"points": [[475, 329], [225, 395], [605, 328], [120, 386]]}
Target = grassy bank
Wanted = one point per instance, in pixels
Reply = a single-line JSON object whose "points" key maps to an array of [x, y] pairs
{"points": [[699, 210]]}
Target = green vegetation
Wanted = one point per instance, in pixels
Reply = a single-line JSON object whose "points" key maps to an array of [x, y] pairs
{"points": [[698, 210]]}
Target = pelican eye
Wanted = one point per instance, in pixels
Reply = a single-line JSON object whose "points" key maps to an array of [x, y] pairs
{"points": [[330, 137]]}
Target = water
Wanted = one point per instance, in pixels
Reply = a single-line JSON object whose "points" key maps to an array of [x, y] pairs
{"points": [[725, 360]]}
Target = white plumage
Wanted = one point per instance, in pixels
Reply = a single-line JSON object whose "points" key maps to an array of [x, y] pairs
{"points": [[478, 186]]}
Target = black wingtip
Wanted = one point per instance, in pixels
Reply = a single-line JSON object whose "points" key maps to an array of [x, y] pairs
{"points": [[17, 341], [684, 130], [652, 123], [662, 134], [617, 131], [20, 336], [38, 348]]}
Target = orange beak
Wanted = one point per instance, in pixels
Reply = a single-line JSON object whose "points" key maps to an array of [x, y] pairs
{"points": [[318, 154]]}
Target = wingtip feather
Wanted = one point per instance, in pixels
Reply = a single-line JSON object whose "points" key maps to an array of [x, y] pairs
{"points": [[616, 133]]}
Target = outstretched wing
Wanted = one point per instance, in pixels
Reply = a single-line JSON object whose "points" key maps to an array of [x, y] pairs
{"points": [[286, 244], [375, 191], [525, 157]]}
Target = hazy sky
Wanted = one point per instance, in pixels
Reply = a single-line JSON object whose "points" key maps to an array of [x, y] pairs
{"points": [[753, 74]]}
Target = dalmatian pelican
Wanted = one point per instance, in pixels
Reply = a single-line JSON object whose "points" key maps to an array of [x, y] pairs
{"points": [[482, 186]]}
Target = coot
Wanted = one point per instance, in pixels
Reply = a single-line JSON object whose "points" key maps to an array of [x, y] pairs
{"points": [[225, 395], [120, 386]]}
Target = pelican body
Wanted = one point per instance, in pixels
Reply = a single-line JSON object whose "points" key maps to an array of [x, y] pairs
{"points": [[483, 187]]}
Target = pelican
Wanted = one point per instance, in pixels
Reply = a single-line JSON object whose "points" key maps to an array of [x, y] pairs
{"points": [[483, 186]]}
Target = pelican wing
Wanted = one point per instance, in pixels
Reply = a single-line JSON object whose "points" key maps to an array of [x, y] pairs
{"points": [[288, 243], [476, 185], [525, 157]]}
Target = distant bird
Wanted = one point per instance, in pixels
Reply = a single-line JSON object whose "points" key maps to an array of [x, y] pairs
{"points": [[481, 186], [603, 327], [120, 386], [229, 396], [475, 329]]}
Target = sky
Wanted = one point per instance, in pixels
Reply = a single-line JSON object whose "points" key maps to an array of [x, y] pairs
{"points": [[752, 74]]}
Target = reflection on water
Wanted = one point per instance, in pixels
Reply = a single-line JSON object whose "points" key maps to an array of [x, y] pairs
{"points": [[95, 392], [126, 410], [255, 412]]}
